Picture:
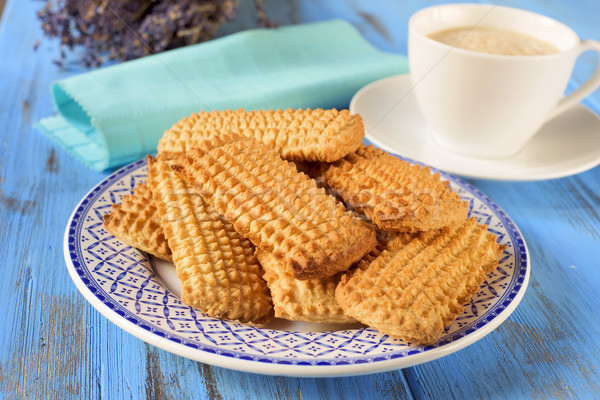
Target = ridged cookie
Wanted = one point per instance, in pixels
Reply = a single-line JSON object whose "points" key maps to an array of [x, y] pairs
{"points": [[394, 194], [218, 271], [310, 300], [384, 240], [311, 135], [136, 222], [416, 288], [279, 209]]}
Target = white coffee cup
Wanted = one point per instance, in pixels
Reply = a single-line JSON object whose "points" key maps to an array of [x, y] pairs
{"points": [[488, 105]]}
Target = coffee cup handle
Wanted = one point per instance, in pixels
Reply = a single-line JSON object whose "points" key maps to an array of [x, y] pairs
{"points": [[586, 88]]}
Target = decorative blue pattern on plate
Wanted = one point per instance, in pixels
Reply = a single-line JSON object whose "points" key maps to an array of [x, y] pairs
{"points": [[121, 282]]}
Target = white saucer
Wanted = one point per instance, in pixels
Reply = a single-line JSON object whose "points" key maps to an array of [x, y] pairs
{"points": [[567, 145]]}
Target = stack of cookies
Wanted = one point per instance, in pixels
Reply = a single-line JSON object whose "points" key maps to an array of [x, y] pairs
{"points": [[358, 235]]}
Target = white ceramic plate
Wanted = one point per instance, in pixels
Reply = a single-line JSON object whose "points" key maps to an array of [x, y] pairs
{"points": [[128, 288], [567, 145]]}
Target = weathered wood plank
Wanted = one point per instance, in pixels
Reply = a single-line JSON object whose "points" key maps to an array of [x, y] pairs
{"points": [[43, 338]]}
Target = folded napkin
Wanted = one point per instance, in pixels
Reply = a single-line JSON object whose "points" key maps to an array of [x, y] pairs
{"points": [[117, 114]]}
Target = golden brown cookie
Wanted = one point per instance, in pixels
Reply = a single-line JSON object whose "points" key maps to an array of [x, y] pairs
{"points": [[394, 194], [310, 135], [136, 222], [280, 210], [416, 288], [218, 271], [384, 240], [310, 300]]}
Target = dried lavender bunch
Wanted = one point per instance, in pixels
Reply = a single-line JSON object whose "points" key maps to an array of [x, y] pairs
{"points": [[128, 29]]}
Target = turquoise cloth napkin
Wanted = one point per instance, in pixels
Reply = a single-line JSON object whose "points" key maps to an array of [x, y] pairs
{"points": [[117, 114]]}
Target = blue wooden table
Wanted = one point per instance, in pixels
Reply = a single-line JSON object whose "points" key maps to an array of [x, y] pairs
{"points": [[53, 344]]}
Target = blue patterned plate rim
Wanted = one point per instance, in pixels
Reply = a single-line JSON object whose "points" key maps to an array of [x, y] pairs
{"points": [[293, 360]]}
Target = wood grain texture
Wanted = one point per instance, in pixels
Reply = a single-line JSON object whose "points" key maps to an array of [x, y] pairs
{"points": [[53, 344]]}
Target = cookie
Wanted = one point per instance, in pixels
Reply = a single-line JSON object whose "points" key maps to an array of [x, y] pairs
{"points": [[416, 287], [218, 271], [395, 195], [135, 222], [310, 300], [280, 210], [299, 135]]}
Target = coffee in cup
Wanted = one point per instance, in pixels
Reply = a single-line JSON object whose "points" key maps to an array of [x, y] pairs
{"points": [[488, 77], [494, 41]]}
